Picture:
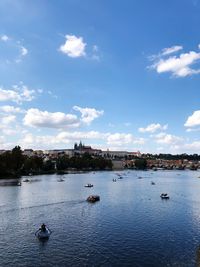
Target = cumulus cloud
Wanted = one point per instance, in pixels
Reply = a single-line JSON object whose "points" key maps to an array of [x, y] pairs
{"points": [[67, 137], [38, 118], [119, 139], [18, 94], [169, 139], [151, 128], [178, 66], [61, 138], [7, 124], [81, 135], [73, 46], [7, 119], [88, 114], [11, 109], [193, 120], [4, 38]]}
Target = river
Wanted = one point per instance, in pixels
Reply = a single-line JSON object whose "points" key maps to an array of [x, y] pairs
{"points": [[130, 225]]}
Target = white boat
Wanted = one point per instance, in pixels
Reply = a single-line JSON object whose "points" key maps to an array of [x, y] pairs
{"points": [[43, 234]]}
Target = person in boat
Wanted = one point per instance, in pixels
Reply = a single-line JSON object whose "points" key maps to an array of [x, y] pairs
{"points": [[43, 228]]}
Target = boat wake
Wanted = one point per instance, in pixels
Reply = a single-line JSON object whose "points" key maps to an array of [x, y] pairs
{"points": [[71, 203]]}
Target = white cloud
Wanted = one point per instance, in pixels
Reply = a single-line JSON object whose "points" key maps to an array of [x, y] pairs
{"points": [[151, 128], [88, 114], [18, 94], [11, 109], [179, 66], [6, 124], [38, 118], [170, 50], [24, 51], [194, 146], [73, 46], [59, 139], [19, 51], [120, 139], [7, 119], [117, 140], [81, 135], [4, 38], [193, 120], [169, 139]]}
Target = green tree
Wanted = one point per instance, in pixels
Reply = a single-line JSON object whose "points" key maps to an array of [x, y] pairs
{"points": [[17, 159], [141, 164]]}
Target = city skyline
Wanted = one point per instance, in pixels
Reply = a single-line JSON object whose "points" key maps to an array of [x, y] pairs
{"points": [[115, 75]]}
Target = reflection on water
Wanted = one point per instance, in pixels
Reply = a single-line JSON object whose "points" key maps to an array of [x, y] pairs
{"points": [[130, 226], [10, 182], [198, 256]]}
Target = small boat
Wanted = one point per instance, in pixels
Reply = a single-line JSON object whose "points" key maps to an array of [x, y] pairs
{"points": [[89, 185], [26, 180], [120, 177], [43, 233], [164, 196], [153, 183], [61, 180], [19, 184], [114, 180], [140, 177], [93, 198]]}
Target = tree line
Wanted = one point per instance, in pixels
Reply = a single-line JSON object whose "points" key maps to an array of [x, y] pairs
{"points": [[191, 157], [14, 164]]}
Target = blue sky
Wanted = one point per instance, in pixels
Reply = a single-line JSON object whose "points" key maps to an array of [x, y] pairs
{"points": [[118, 75]]}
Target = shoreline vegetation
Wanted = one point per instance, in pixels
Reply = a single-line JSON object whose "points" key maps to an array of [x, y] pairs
{"points": [[13, 164]]}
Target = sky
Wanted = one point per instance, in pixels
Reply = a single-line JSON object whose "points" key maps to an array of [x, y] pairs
{"points": [[117, 75]]}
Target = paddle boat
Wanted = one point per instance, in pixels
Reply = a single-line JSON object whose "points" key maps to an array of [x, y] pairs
{"points": [[26, 180], [89, 185], [93, 198], [43, 233], [61, 180], [164, 196]]}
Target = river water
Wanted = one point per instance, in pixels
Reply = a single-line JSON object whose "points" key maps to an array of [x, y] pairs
{"points": [[130, 226]]}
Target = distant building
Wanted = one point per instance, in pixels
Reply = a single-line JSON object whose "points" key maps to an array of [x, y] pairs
{"points": [[81, 149], [28, 152], [55, 153], [119, 154]]}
